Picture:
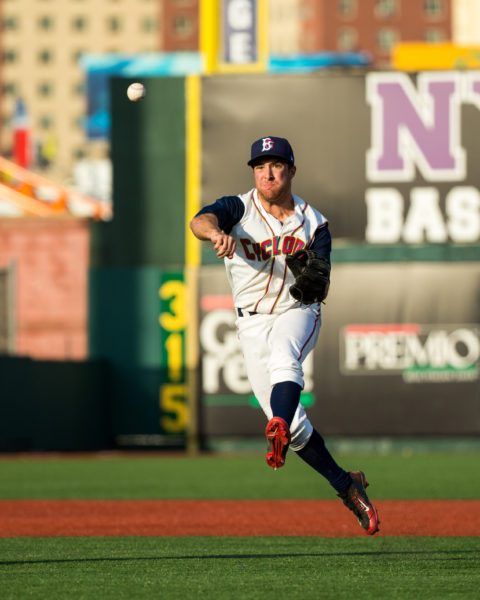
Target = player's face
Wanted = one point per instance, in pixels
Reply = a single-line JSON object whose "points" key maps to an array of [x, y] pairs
{"points": [[273, 179]]}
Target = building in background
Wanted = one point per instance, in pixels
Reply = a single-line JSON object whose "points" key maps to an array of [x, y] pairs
{"points": [[286, 18], [42, 43], [466, 22], [305, 26], [374, 26], [179, 27]]}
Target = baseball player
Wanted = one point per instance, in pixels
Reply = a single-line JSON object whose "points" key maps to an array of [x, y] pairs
{"points": [[276, 249]]}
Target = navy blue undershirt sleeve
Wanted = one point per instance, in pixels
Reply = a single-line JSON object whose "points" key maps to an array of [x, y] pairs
{"points": [[322, 242], [228, 210]]}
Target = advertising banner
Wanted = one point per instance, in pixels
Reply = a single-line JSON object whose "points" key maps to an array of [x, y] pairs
{"points": [[137, 325], [398, 354], [389, 158], [239, 32]]}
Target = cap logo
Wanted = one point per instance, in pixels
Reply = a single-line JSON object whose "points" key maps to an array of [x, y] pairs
{"points": [[267, 144]]}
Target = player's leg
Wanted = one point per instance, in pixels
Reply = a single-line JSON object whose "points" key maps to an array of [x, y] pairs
{"points": [[293, 337], [253, 332]]}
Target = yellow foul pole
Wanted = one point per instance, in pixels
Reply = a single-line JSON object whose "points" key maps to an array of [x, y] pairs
{"points": [[209, 16], [192, 253]]}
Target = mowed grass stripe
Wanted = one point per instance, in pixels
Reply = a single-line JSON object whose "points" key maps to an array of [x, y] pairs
{"points": [[422, 476], [237, 568]]}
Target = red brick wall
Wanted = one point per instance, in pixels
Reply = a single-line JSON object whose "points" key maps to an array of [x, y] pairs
{"points": [[410, 22], [51, 260], [176, 40]]}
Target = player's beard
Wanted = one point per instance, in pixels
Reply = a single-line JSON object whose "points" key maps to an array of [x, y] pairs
{"points": [[275, 192]]}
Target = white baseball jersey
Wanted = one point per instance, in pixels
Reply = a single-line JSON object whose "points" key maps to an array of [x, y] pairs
{"points": [[258, 273]]}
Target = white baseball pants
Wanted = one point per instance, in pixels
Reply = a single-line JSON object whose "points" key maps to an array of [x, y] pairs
{"points": [[274, 348]]}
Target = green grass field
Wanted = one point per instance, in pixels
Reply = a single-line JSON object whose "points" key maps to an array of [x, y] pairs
{"points": [[394, 476], [239, 568], [260, 567]]}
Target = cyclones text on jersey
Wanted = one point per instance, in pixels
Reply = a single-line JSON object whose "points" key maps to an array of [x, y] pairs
{"points": [[271, 247]]}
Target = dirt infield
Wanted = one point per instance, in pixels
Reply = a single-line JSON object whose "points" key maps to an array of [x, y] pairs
{"points": [[231, 518]]}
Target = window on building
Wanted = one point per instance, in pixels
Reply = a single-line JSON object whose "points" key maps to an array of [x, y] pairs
{"points": [[182, 26], [435, 35], [9, 55], [45, 56], [45, 121], [9, 88], [10, 23], [386, 38], [45, 23], [347, 8], [114, 24], [77, 55], [78, 89], [148, 24], [79, 23], [386, 8], [78, 153], [44, 89], [434, 9], [347, 38]]}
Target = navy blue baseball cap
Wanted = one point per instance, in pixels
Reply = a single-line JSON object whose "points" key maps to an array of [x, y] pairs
{"points": [[276, 147]]}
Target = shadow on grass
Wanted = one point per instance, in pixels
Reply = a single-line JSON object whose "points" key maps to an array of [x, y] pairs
{"points": [[433, 554]]}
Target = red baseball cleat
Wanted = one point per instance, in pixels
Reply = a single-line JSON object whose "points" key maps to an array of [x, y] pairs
{"points": [[278, 436], [356, 499]]}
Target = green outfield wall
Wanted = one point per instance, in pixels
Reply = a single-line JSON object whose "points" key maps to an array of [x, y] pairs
{"points": [[137, 297], [47, 405], [148, 155], [137, 324]]}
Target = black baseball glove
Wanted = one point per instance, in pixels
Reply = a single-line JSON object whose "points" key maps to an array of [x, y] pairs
{"points": [[312, 276]]}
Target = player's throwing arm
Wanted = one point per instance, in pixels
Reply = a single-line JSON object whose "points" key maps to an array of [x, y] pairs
{"points": [[205, 227]]}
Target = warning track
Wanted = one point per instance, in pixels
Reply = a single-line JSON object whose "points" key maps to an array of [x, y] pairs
{"points": [[327, 518]]}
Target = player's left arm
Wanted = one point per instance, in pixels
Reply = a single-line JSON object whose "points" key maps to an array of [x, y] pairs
{"points": [[311, 268], [322, 242]]}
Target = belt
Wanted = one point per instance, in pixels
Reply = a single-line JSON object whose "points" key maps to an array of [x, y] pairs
{"points": [[241, 312]]}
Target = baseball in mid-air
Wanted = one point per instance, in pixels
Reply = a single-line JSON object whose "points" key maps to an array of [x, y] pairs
{"points": [[136, 91]]}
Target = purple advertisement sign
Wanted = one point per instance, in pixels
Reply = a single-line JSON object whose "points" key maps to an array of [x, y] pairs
{"points": [[388, 158]]}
